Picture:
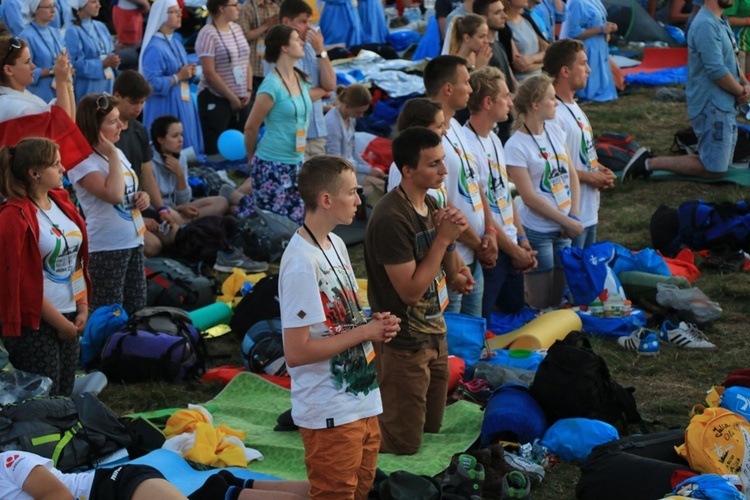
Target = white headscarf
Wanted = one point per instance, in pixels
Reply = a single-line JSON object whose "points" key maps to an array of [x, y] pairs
{"points": [[157, 16], [28, 9], [76, 4]]}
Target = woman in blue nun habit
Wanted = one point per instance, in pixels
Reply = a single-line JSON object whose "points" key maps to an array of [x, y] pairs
{"points": [[372, 19], [45, 44], [91, 50], [169, 73], [586, 20], [340, 23]]}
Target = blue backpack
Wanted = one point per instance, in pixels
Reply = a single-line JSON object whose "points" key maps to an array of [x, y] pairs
{"points": [[105, 321], [701, 225]]}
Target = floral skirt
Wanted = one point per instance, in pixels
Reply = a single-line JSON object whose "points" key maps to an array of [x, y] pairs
{"points": [[275, 188]]}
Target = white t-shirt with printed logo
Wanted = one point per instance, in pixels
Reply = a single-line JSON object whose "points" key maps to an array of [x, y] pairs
{"points": [[110, 227], [59, 241], [523, 150], [574, 122], [494, 177], [312, 293], [15, 467], [462, 181]]}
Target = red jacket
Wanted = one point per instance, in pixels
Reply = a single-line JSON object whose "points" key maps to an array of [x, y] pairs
{"points": [[22, 289]]}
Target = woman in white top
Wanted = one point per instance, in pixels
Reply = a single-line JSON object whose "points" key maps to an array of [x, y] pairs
{"points": [[18, 73], [107, 189], [341, 121], [540, 167], [468, 39]]}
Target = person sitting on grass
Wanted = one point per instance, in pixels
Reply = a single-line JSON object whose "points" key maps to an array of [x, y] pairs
{"points": [[29, 476], [328, 341]]}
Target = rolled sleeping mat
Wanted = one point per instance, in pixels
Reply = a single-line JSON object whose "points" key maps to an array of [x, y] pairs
{"points": [[206, 317], [540, 333]]}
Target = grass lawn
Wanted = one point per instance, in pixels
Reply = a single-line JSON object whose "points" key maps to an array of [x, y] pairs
{"points": [[668, 385]]}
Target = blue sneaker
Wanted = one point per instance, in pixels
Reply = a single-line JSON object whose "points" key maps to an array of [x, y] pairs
{"points": [[643, 341]]}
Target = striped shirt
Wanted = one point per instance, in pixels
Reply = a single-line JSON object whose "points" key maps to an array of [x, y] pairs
{"points": [[229, 49]]}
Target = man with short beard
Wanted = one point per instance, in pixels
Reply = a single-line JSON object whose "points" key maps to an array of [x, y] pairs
{"points": [[715, 87]]}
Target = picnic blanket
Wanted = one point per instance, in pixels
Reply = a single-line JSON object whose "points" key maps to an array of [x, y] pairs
{"points": [[739, 176], [252, 404], [656, 58]]}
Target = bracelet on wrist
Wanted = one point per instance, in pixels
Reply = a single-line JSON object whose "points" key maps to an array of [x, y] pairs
{"points": [[78, 304], [464, 267], [522, 237], [451, 248], [490, 229], [574, 217], [163, 209]]}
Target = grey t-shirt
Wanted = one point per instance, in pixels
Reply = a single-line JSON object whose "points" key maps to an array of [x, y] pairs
{"points": [[527, 43]]}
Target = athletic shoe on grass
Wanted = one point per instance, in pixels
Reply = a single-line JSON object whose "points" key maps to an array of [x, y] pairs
{"points": [[685, 335], [643, 341], [227, 260], [515, 485], [465, 477], [532, 470], [636, 167]]}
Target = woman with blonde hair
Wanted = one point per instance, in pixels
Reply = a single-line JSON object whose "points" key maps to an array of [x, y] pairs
{"points": [[352, 103], [540, 167], [469, 39], [43, 264]]}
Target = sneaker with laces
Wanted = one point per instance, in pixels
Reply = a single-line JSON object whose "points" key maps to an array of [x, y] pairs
{"points": [[475, 391], [685, 335], [465, 477], [515, 485], [636, 167], [532, 470], [643, 341], [227, 260]]}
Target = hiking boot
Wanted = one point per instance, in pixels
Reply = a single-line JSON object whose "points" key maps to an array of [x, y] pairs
{"points": [[475, 391], [515, 485], [493, 472], [685, 335], [643, 341], [533, 471], [465, 477], [227, 260], [636, 167]]}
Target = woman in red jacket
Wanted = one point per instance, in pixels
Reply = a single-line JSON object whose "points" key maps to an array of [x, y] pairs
{"points": [[43, 264]]}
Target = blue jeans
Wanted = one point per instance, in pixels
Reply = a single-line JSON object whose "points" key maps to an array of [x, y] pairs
{"points": [[471, 304], [586, 238], [503, 288], [548, 246]]}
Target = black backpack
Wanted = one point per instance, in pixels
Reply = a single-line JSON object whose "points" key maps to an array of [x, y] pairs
{"points": [[614, 150], [73, 432], [173, 284], [264, 235], [260, 303], [201, 239], [573, 381]]}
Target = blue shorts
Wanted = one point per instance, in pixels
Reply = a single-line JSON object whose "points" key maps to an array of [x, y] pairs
{"points": [[548, 246], [717, 136]]}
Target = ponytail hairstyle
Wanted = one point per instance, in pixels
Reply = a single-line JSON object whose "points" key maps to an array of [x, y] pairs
{"points": [[530, 91], [32, 153], [354, 96], [463, 25]]}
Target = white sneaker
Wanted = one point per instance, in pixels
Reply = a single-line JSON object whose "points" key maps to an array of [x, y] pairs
{"points": [[643, 341], [685, 335]]}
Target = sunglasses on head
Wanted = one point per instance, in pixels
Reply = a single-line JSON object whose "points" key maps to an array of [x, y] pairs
{"points": [[15, 43], [103, 103]]}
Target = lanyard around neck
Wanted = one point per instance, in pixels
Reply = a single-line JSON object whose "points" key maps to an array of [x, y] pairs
{"points": [[544, 154], [584, 145], [221, 39], [55, 227], [289, 91], [333, 269], [497, 159], [52, 50]]}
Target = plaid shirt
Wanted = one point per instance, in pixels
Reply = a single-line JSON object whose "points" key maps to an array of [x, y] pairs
{"points": [[253, 14]]}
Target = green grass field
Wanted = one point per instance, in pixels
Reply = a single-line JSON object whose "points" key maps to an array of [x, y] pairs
{"points": [[668, 385]]}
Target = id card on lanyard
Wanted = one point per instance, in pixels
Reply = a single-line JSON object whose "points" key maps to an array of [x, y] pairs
{"points": [[79, 285], [442, 290], [468, 173], [300, 134], [560, 192]]}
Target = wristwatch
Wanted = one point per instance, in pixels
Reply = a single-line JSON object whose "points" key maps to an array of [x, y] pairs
{"points": [[322, 55]]}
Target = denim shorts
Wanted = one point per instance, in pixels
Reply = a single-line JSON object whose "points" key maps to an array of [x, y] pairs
{"points": [[548, 246], [717, 136]]}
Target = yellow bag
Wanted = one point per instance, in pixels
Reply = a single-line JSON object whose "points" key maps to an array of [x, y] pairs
{"points": [[717, 441]]}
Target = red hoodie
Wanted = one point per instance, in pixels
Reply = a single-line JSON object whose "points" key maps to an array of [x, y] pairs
{"points": [[22, 291]]}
